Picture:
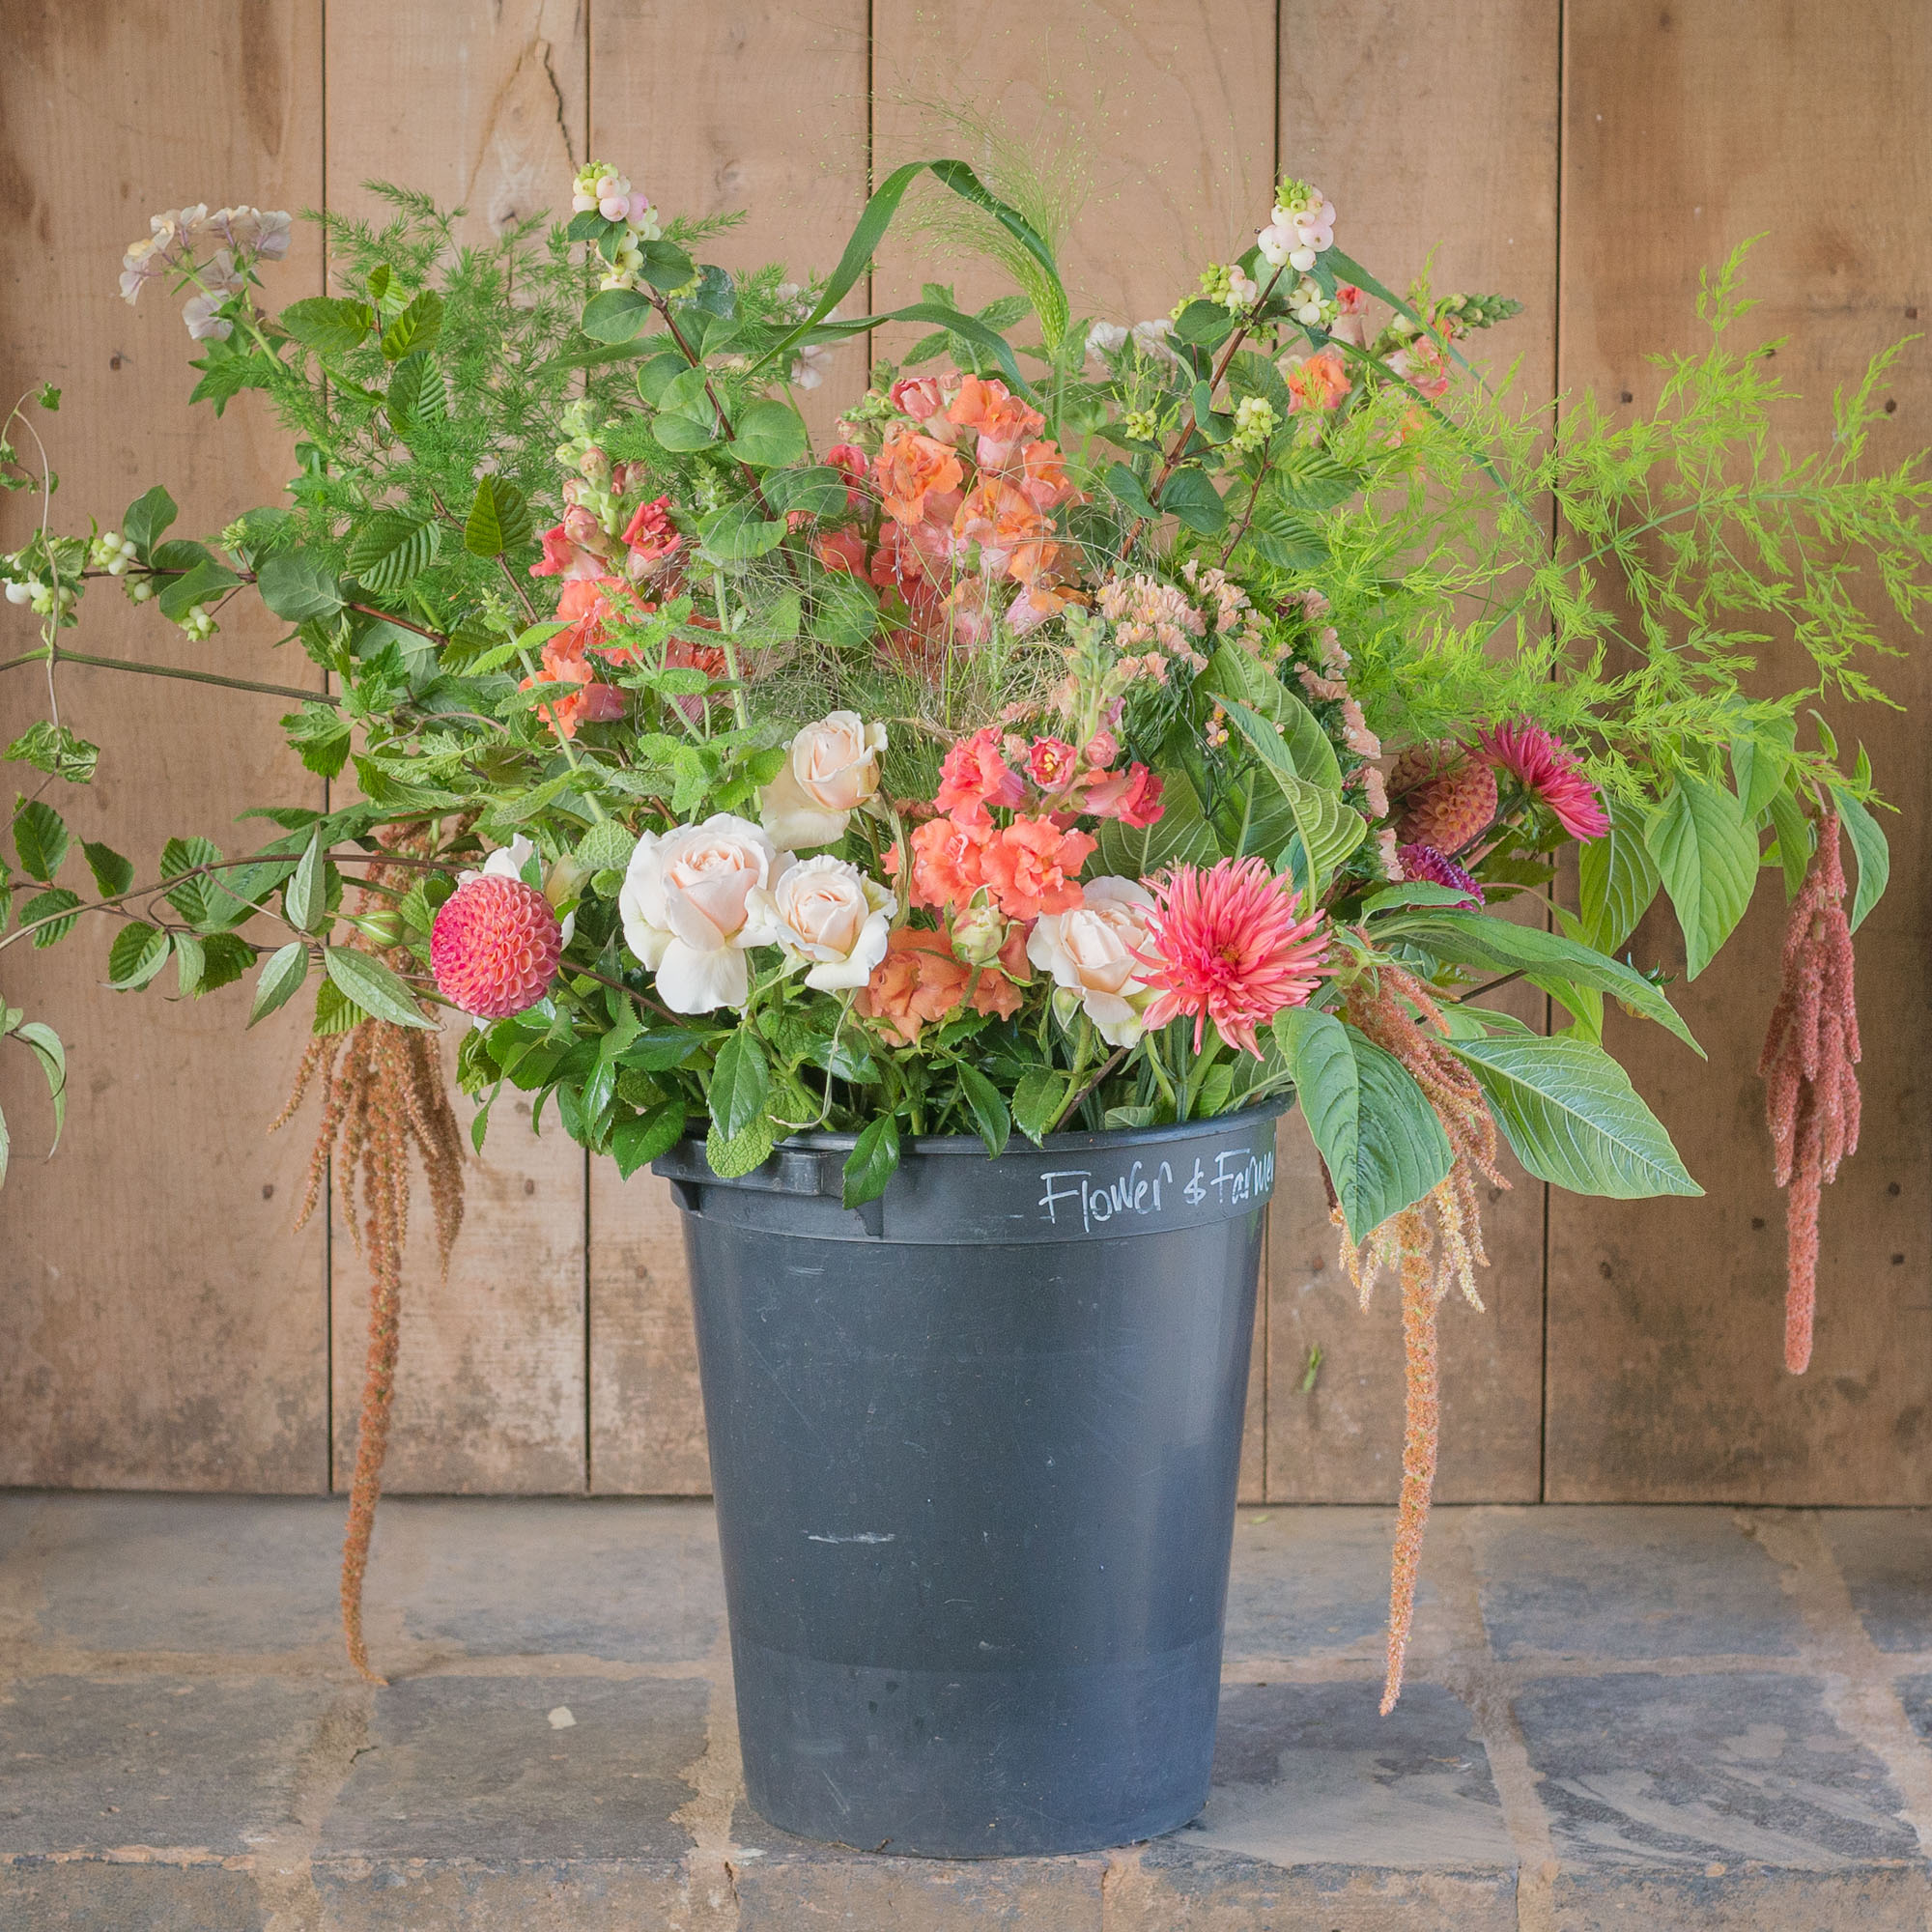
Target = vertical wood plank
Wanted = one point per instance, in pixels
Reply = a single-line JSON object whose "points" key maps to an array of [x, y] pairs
{"points": [[158, 1326], [1666, 1378], [1170, 108], [1429, 128], [748, 104], [480, 103]]}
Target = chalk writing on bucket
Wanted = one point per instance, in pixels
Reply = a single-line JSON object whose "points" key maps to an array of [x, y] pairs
{"points": [[1237, 1177]]}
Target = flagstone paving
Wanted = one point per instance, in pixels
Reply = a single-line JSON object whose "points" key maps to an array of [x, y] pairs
{"points": [[1628, 1718]]}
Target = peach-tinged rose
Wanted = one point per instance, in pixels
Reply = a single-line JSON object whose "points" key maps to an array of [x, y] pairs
{"points": [[908, 469], [686, 906], [1092, 954], [831, 770], [828, 913]]}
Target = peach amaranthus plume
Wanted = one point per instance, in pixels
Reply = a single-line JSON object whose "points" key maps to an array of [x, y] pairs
{"points": [[1811, 1095], [1225, 945]]}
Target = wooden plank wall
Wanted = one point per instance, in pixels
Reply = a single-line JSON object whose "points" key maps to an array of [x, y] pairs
{"points": [[159, 1325]]}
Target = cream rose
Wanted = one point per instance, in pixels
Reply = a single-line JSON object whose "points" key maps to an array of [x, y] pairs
{"points": [[827, 912], [1090, 951], [830, 771], [686, 908]]}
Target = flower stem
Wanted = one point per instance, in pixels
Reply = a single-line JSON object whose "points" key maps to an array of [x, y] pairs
{"points": [[51, 654]]}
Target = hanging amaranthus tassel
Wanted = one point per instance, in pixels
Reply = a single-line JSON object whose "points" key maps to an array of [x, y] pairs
{"points": [[381, 1088], [1812, 1096], [1429, 1260]]}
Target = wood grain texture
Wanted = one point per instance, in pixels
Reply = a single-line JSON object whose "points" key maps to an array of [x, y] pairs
{"points": [[158, 1328], [754, 105], [479, 103], [1719, 121], [1429, 128]]}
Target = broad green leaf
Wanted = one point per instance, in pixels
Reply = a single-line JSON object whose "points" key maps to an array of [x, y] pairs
{"points": [[415, 328], [52, 1055], [148, 516], [296, 587], [40, 839], [305, 896], [606, 846], [987, 1107], [392, 547], [1760, 761], [1179, 836], [1127, 488], [328, 324], [1574, 1118], [190, 960], [1871, 850], [818, 490], [768, 436], [1618, 879], [1331, 829], [1232, 673], [1383, 1145], [416, 400], [1794, 841], [1476, 939], [112, 874], [335, 1010], [738, 533], [636, 1143], [47, 905], [54, 749], [872, 1164], [679, 433], [1193, 498], [1707, 856], [322, 737], [1037, 1101], [740, 1082], [204, 584], [499, 519], [740, 1155], [371, 985], [665, 266], [845, 613], [281, 978], [617, 314], [1207, 324], [137, 954]]}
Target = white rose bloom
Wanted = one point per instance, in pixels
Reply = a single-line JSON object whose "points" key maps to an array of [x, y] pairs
{"points": [[829, 913], [1090, 951], [831, 769], [686, 908], [507, 861]]}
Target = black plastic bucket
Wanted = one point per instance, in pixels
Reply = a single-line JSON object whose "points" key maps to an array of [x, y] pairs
{"points": [[974, 1449]]}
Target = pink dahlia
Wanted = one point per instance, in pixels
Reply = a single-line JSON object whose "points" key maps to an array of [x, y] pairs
{"points": [[495, 947], [1225, 946], [1427, 863], [1547, 768]]}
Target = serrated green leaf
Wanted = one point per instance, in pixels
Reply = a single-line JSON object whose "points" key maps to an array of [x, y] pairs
{"points": [[137, 954], [112, 874], [740, 1082], [606, 846], [374, 987], [732, 1158], [499, 519], [1618, 879], [190, 959], [40, 839], [1383, 1145], [46, 906], [281, 978], [1037, 1101], [55, 750], [1574, 1118], [1706, 854], [392, 547], [872, 1162], [636, 1143], [328, 324], [335, 1010], [297, 588], [416, 399], [415, 328]]}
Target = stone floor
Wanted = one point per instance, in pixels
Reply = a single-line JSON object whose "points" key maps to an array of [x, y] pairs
{"points": [[1632, 1718]]}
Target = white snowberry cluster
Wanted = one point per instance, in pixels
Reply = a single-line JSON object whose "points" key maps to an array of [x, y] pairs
{"points": [[112, 553], [1255, 422], [199, 622], [1302, 225], [600, 187]]}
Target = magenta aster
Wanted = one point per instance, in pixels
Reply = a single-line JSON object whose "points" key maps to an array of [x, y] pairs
{"points": [[495, 947], [1547, 768], [1225, 945], [1426, 862]]}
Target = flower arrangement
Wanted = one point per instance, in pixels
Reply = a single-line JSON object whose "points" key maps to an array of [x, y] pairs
{"points": [[1179, 725]]}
